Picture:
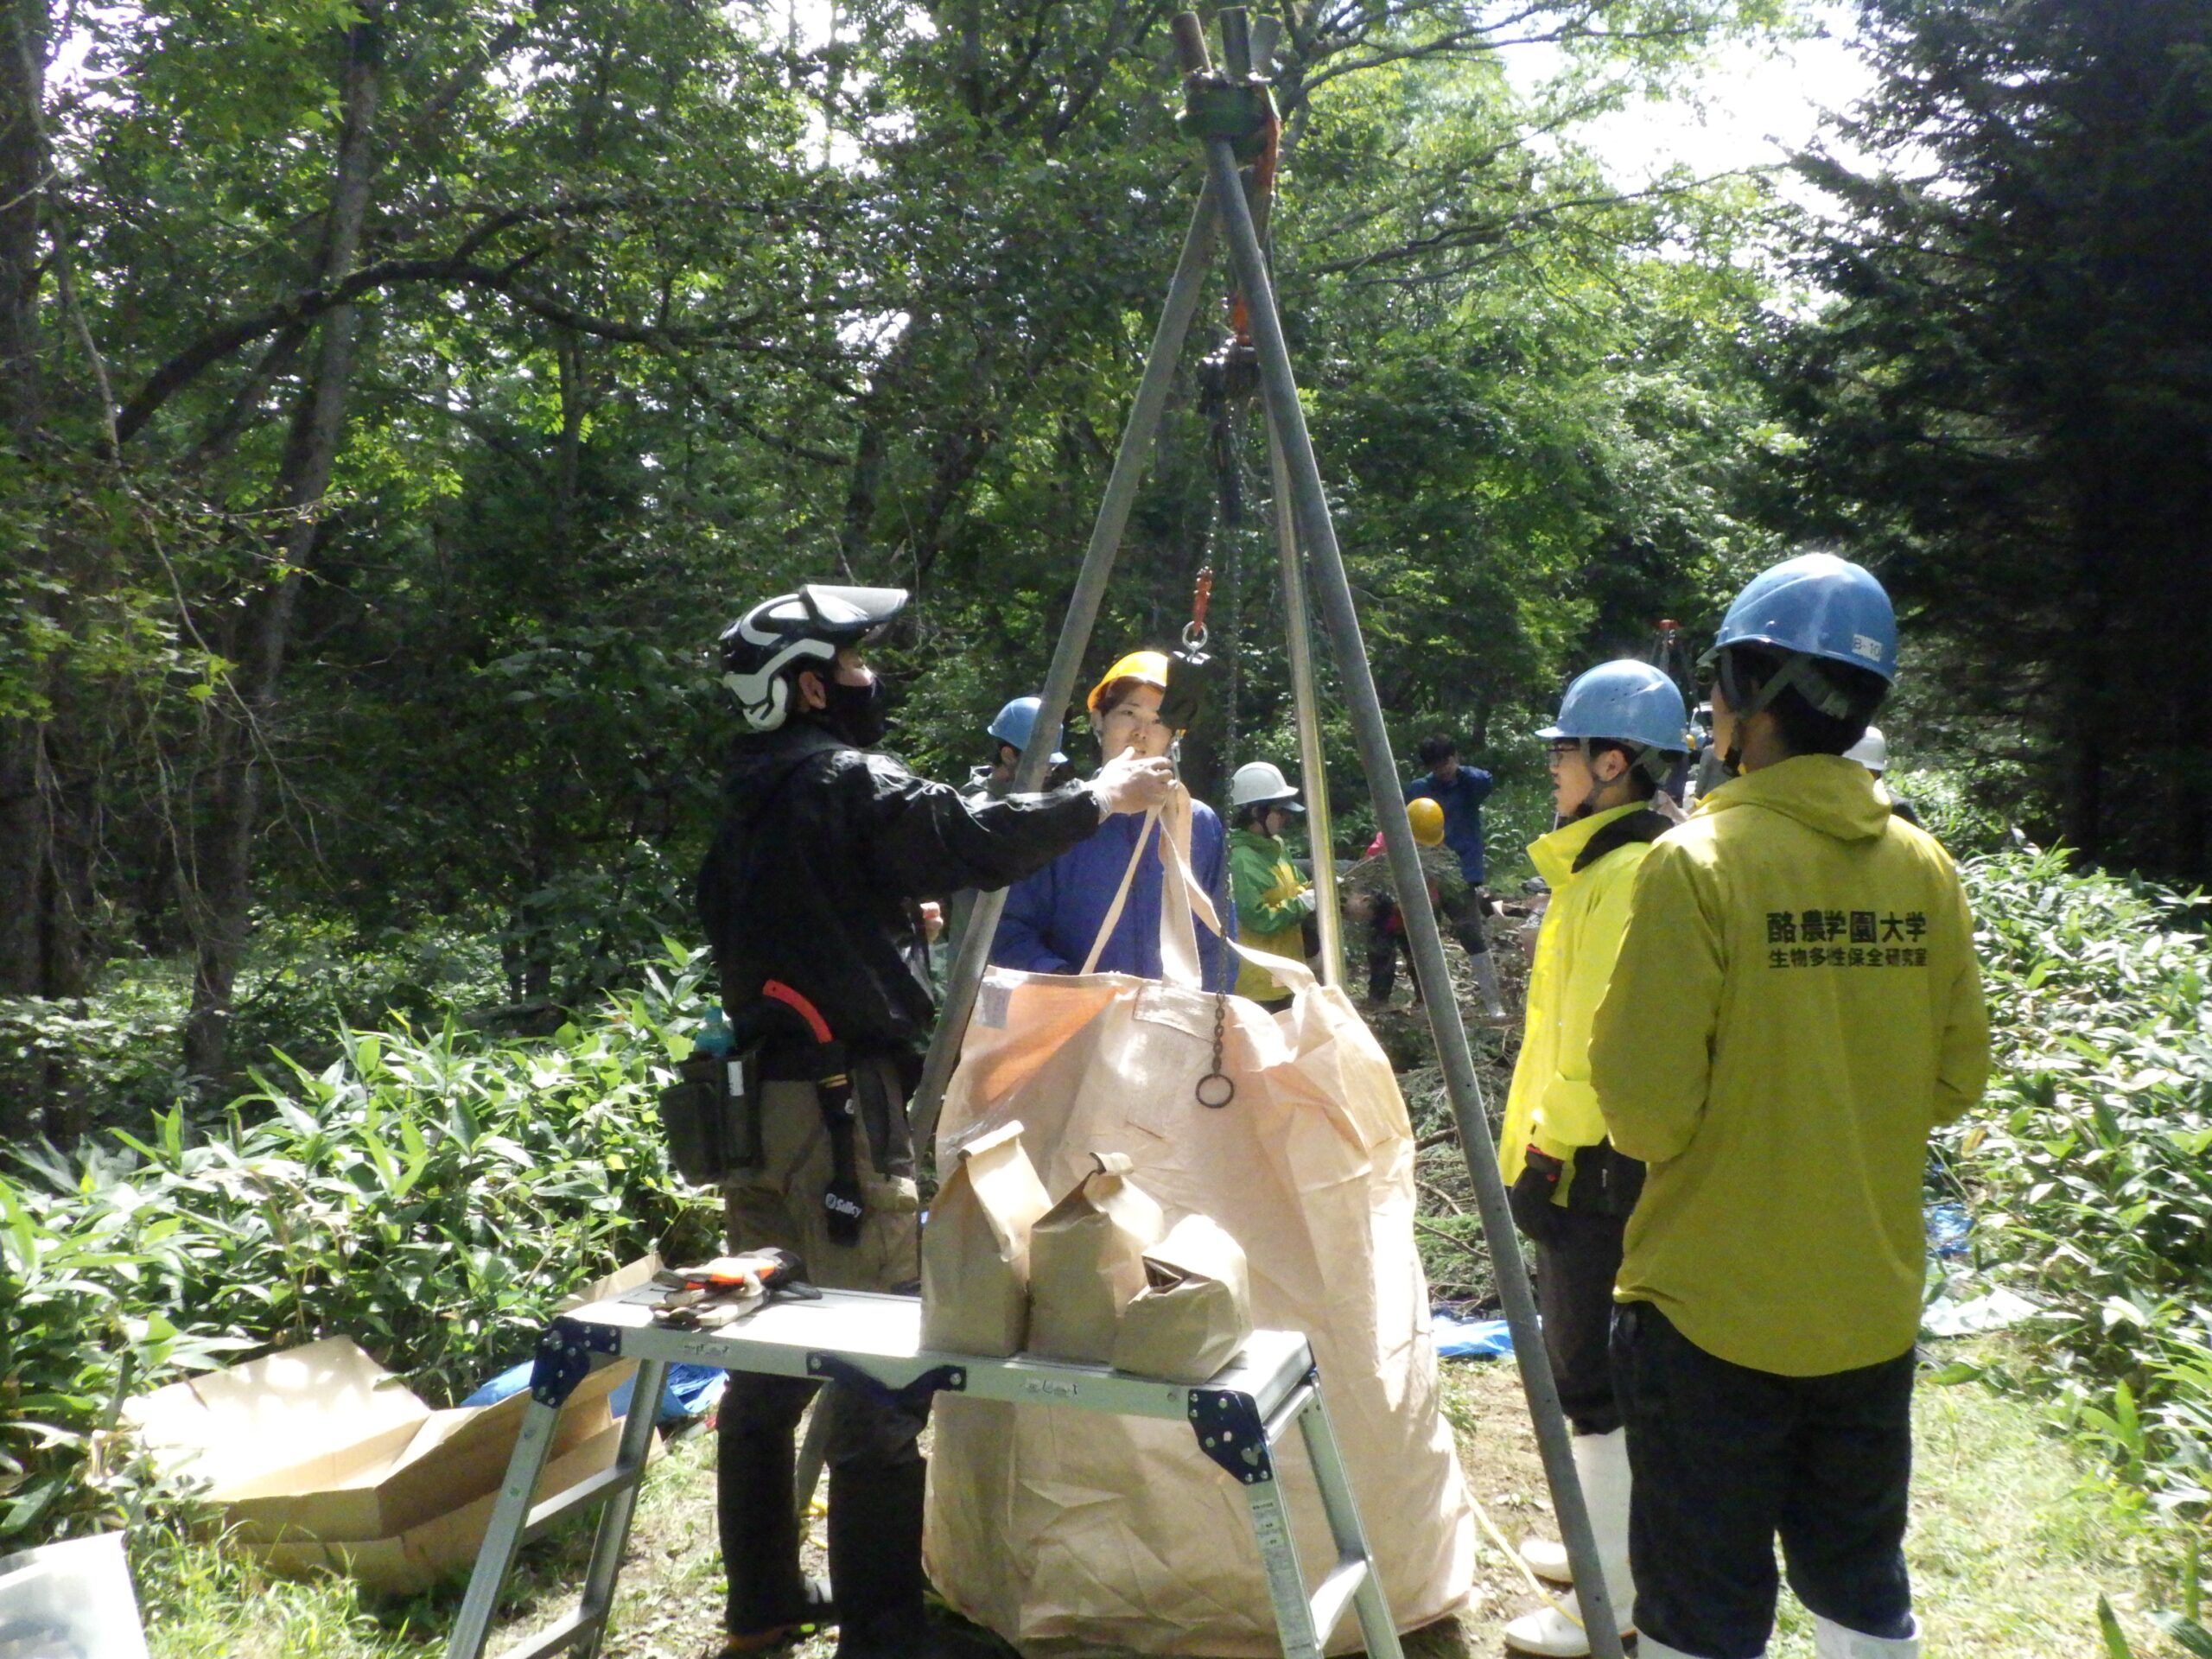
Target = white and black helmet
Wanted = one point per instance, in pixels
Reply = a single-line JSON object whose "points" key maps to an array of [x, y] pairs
{"points": [[767, 647]]}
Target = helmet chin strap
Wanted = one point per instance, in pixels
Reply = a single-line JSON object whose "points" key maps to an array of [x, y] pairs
{"points": [[1797, 670]]}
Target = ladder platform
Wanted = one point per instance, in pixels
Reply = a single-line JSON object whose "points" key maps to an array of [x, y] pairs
{"points": [[866, 1339]]}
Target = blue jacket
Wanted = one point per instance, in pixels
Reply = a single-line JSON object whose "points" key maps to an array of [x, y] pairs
{"points": [[1052, 916], [1462, 801]]}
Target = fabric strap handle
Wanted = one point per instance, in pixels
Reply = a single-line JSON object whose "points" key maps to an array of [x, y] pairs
{"points": [[1184, 902]]}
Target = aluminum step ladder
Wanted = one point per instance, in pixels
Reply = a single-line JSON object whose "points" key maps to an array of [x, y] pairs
{"points": [[1237, 1419]]}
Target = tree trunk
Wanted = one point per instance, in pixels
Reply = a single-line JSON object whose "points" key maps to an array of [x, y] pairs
{"points": [[22, 185], [223, 861]]}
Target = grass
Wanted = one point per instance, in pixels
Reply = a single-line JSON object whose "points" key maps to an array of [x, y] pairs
{"points": [[2012, 1542]]}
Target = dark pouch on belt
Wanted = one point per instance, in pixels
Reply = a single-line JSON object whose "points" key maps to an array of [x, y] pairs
{"points": [[711, 1115]]}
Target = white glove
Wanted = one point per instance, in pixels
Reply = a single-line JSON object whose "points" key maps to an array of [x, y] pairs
{"points": [[1308, 901], [1126, 783]]}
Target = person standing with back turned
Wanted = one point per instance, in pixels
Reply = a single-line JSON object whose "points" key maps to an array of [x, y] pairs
{"points": [[811, 899], [1795, 1007]]}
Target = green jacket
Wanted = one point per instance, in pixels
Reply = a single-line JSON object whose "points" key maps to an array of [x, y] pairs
{"points": [[1266, 890], [1796, 1006], [1551, 1103]]}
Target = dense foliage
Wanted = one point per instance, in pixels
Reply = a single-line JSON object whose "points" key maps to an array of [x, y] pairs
{"points": [[2005, 398], [2086, 1165], [428, 1193], [395, 403]]}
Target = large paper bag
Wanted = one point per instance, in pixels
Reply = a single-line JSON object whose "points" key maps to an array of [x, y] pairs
{"points": [[1062, 1529], [976, 1249], [1195, 1312]]}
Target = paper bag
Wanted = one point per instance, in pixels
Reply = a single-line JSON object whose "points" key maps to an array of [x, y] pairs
{"points": [[976, 1249], [1195, 1310], [1086, 1262]]}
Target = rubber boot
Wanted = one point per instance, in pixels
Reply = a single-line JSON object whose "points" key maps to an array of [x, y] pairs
{"points": [[1486, 983], [1547, 1560], [770, 1601], [876, 1560], [1832, 1641], [1647, 1649], [1601, 1465]]}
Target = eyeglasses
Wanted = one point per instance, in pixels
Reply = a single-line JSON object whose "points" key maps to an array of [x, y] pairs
{"points": [[1555, 753]]}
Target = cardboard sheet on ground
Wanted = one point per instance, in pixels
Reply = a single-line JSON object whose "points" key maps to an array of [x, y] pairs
{"points": [[1062, 1531], [321, 1458]]}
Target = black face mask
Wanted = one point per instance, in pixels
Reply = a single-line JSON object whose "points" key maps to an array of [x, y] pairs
{"points": [[857, 713]]}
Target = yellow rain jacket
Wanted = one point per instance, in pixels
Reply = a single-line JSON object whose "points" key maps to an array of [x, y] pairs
{"points": [[1796, 1006], [1590, 865]]}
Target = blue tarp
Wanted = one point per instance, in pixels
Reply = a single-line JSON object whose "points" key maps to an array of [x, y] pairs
{"points": [[1464, 1338], [691, 1391], [1948, 1226]]}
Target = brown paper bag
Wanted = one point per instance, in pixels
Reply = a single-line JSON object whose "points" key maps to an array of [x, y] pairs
{"points": [[976, 1249], [1086, 1262], [1195, 1310]]}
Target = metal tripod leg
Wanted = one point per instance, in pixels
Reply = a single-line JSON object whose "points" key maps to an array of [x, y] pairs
{"points": [[1278, 391], [515, 1520]]}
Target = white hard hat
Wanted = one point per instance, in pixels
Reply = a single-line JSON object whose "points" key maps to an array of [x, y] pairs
{"points": [[1872, 752], [1261, 780]]}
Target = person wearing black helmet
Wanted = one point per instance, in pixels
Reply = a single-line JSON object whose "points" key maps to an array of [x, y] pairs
{"points": [[810, 896]]}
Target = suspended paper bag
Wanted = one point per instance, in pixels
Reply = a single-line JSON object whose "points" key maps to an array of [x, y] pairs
{"points": [[976, 1249], [1086, 1262], [1065, 1531], [1195, 1310]]}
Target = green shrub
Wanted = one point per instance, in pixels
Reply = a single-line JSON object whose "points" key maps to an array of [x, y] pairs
{"points": [[2087, 1163], [431, 1194]]}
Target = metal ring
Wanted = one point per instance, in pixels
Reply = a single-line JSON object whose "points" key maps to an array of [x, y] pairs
{"points": [[1194, 635], [1227, 1089]]}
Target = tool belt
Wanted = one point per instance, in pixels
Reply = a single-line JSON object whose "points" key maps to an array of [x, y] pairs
{"points": [[712, 1112]]}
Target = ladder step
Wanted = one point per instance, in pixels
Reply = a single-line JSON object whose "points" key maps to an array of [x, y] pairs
{"points": [[1334, 1595], [1291, 1407], [582, 1495], [574, 1630]]}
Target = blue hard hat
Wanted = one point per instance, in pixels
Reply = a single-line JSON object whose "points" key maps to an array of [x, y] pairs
{"points": [[1820, 606], [1623, 701], [1016, 720]]}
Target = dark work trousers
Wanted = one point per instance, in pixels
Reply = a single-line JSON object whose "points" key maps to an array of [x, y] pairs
{"points": [[1466, 918], [1386, 938], [1575, 1270], [873, 1462], [1724, 1458]]}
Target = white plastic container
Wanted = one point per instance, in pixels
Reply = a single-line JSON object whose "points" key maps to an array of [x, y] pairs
{"points": [[70, 1601]]}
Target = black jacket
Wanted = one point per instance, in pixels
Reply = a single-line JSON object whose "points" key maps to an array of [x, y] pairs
{"points": [[824, 850]]}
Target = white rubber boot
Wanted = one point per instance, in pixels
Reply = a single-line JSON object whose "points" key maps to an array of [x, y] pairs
{"points": [[1647, 1649], [1832, 1641], [1601, 1463], [1547, 1560]]}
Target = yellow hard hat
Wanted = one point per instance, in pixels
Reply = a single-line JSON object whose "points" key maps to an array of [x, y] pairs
{"points": [[1145, 667], [1428, 819]]}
